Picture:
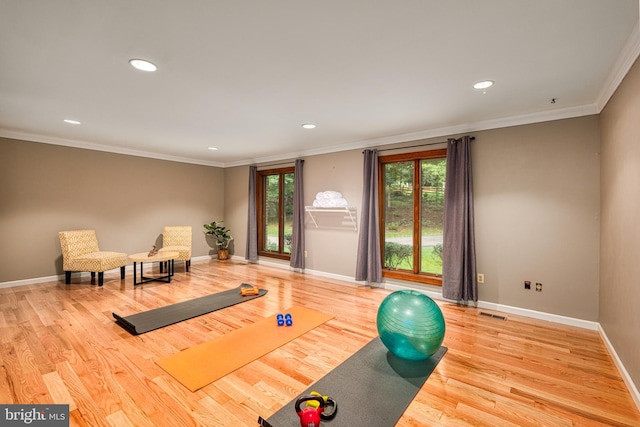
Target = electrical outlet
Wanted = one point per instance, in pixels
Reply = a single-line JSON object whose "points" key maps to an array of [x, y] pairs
{"points": [[480, 278], [539, 287], [527, 284], [305, 254]]}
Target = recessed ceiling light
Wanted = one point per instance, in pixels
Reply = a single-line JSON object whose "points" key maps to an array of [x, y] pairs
{"points": [[308, 126], [143, 65], [212, 148], [71, 122], [483, 84]]}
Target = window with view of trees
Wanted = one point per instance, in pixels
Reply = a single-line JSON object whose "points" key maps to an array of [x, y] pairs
{"points": [[274, 193], [412, 215]]}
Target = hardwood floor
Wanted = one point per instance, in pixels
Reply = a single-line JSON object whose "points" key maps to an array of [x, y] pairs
{"points": [[59, 344]]}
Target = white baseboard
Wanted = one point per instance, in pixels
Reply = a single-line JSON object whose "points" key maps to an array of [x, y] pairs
{"points": [[434, 293], [541, 315], [633, 390], [349, 281], [36, 280], [32, 281]]}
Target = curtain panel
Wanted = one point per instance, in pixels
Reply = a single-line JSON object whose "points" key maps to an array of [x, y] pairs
{"points": [[368, 262], [252, 223], [297, 236], [459, 254]]}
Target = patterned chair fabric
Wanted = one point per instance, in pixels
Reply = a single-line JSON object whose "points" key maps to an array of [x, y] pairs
{"points": [[80, 252], [178, 238]]}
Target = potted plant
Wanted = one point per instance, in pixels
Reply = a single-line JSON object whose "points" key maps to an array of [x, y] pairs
{"points": [[222, 237]]}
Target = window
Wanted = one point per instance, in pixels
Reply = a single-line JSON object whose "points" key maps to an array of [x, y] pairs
{"points": [[412, 215], [274, 204]]}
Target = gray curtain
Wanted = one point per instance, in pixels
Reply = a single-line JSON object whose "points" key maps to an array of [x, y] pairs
{"points": [[368, 263], [252, 223], [459, 252], [297, 237]]}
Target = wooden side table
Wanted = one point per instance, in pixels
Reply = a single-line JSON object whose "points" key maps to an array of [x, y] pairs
{"points": [[160, 257]]}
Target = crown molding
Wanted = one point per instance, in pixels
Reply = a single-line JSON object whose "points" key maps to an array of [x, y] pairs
{"points": [[99, 147], [543, 116], [626, 59]]}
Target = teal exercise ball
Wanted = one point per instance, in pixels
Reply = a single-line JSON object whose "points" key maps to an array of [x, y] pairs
{"points": [[410, 325]]}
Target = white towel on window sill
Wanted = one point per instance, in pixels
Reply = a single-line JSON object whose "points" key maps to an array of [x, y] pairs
{"points": [[333, 203], [328, 195]]}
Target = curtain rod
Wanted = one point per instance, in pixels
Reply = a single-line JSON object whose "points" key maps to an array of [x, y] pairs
{"points": [[420, 145], [290, 162], [275, 164]]}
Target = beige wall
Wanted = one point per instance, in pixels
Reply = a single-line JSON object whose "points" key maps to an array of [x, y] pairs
{"points": [[536, 194], [331, 247], [537, 214], [127, 200], [235, 207], [620, 226]]}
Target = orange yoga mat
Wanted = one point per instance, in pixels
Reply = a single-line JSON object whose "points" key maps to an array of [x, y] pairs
{"points": [[198, 366]]}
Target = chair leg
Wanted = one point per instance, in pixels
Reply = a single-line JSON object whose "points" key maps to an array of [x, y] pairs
{"points": [[93, 277], [100, 278], [188, 264], [67, 277], [122, 273], [161, 265]]}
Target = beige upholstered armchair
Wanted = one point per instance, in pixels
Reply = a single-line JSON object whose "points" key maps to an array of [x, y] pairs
{"points": [[80, 252], [178, 239]]}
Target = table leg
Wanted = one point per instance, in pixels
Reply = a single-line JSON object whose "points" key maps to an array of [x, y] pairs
{"points": [[170, 270], [135, 279]]}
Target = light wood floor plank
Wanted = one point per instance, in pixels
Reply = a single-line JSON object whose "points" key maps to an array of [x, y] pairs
{"points": [[59, 343]]}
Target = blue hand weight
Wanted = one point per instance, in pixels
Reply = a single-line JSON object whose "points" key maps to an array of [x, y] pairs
{"points": [[280, 320], [288, 319]]}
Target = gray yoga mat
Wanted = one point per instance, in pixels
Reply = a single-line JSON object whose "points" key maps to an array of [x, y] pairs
{"points": [[371, 388], [164, 316]]}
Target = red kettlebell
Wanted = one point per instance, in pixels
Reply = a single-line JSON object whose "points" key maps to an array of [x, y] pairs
{"points": [[309, 416]]}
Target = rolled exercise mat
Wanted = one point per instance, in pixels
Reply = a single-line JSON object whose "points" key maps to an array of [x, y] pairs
{"points": [[164, 316], [371, 388], [198, 366]]}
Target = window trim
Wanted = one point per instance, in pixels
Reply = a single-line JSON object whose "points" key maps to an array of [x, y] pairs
{"points": [[417, 277], [260, 211]]}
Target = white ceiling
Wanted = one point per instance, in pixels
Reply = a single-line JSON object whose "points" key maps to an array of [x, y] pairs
{"points": [[243, 76]]}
